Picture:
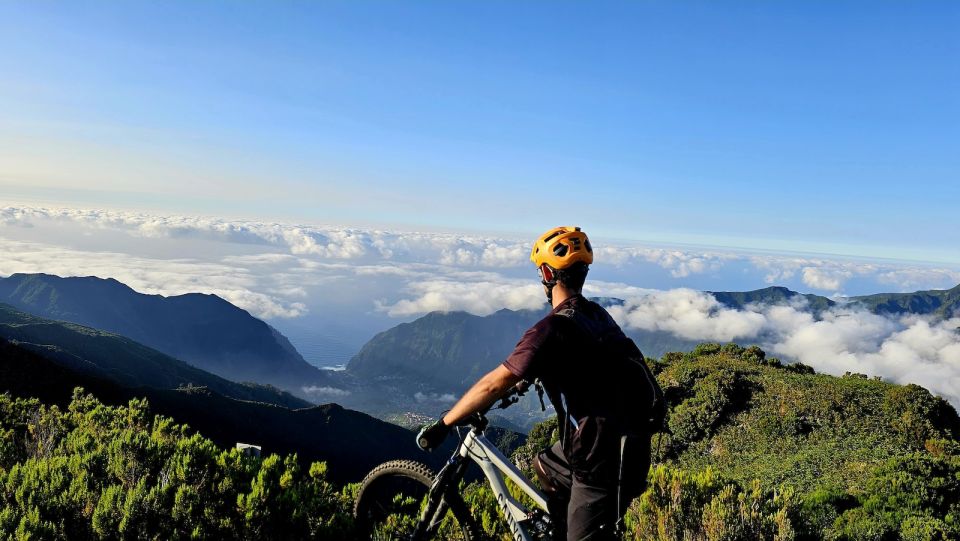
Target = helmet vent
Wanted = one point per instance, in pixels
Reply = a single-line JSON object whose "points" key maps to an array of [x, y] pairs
{"points": [[560, 250]]}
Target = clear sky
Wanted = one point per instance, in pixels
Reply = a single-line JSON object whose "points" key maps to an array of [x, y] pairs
{"points": [[813, 126]]}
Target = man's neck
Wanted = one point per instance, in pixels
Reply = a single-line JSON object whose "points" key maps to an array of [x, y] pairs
{"points": [[561, 294]]}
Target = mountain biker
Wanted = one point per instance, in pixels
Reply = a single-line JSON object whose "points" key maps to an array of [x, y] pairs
{"points": [[579, 474]]}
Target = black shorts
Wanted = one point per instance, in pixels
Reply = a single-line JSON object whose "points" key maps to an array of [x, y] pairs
{"points": [[592, 508]]}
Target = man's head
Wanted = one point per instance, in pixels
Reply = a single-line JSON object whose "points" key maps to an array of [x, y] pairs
{"points": [[563, 256]]}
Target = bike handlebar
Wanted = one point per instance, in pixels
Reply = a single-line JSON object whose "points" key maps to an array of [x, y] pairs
{"points": [[479, 419]]}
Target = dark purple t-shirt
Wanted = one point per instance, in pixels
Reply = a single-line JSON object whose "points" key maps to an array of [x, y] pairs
{"points": [[566, 357], [576, 351]]}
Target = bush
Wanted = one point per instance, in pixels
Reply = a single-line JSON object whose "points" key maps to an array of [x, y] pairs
{"points": [[800, 368], [100, 472], [714, 396], [679, 505], [708, 348], [754, 354]]}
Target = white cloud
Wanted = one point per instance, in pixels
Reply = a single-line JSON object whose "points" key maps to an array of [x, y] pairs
{"points": [[325, 391], [476, 297], [597, 288], [446, 398], [825, 279], [304, 245], [680, 263], [908, 349], [828, 275], [689, 314], [913, 279]]}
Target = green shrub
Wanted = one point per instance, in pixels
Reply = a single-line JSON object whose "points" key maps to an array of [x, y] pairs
{"points": [[707, 348], [101, 472], [679, 506]]}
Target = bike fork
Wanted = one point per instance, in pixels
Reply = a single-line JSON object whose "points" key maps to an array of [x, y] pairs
{"points": [[436, 507]]}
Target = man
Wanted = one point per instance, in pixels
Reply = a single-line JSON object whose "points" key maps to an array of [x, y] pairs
{"points": [[569, 351]]}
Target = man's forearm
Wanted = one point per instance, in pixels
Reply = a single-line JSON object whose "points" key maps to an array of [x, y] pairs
{"points": [[483, 393]]}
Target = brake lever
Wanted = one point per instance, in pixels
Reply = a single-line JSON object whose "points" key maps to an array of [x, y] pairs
{"points": [[508, 401], [539, 386]]}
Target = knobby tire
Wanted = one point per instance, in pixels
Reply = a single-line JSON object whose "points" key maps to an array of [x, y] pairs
{"points": [[379, 504]]}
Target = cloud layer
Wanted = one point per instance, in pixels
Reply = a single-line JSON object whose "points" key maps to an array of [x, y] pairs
{"points": [[373, 246], [279, 270]]}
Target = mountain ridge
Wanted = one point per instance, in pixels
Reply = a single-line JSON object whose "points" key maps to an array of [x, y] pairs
{"points": [[201, 329], [942, 303], [118, 358]]}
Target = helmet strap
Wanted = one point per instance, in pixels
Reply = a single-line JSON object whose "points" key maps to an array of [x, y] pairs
{"points": [[549, 291], [548, 277]]}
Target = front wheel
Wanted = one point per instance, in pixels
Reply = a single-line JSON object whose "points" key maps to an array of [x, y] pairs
{"points": [[392, 497]]}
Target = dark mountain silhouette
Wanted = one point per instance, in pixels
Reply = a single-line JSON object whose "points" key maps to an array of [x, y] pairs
{"points": [[119, 359], [202, 330], [351, 442]]}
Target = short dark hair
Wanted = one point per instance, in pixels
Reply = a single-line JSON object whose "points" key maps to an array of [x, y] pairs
{"points": [[573, 276]]}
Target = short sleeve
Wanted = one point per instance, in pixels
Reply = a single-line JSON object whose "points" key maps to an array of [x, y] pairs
{"points": [[526, 360]]}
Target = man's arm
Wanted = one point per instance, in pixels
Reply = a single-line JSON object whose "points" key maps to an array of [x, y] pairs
{"points": [[483, 393]]}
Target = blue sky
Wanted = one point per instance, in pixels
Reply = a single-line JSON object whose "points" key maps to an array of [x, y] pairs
{"points": [[828, 127]]}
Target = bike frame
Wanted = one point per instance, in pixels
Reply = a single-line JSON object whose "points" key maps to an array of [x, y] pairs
{"points": [[495, 466]]}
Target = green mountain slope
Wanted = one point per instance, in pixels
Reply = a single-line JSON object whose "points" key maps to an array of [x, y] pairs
{"points": [[122, 360], [203, 330], [771, 295], [747, 419], [441, 351], [938, 302]]}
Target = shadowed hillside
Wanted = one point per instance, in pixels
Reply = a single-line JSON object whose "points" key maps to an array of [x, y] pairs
{"points": [[122, 360], [202, 330], [350, 441]]}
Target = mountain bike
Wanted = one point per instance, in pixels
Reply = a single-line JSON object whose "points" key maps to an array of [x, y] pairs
{"points": [[406, 500]]}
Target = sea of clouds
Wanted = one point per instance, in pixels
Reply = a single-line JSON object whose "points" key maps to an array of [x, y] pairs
{"points": [[283, 271]]}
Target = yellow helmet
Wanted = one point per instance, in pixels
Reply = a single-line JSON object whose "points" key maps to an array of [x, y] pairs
{"points": [[561, 247]]}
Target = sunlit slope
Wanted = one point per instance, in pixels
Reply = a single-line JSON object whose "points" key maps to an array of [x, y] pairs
{"points": [[748, 417], [938, 302]]}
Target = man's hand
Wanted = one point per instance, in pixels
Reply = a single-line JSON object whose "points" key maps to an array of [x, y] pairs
{"points": [[433, 435]]}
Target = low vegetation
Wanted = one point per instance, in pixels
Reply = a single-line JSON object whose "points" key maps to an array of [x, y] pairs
{"points": [[93, 471]]}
